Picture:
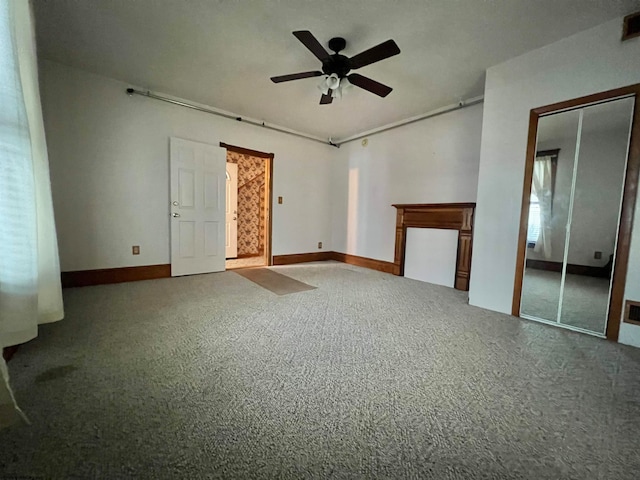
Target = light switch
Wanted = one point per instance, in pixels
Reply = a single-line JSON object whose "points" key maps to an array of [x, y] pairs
{"points": [[280, 200]]}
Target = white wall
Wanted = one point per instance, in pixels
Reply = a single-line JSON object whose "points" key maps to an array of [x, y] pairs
{"points": [[109, 156], [432, 161], [592, 61]]}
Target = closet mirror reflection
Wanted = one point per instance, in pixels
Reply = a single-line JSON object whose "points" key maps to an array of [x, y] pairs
{"points": [[576, 194]]}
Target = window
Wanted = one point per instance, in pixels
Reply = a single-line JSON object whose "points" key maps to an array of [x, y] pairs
{"points": [[533, 231]]}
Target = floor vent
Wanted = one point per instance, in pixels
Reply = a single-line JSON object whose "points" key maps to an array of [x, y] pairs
{"points": [[631, 26], [632, 312]]}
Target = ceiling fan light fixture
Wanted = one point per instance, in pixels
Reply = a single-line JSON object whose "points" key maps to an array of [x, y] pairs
{"points": [[336, 67], [345, 85], [333, 81], [323, 87], [342, 89]]}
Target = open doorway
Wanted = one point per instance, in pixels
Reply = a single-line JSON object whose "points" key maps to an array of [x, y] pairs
{"points": [[248, 213]]}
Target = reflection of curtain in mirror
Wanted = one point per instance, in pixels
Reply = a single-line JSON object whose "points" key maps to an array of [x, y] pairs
{"points": [[30, 290], [542, 187]]}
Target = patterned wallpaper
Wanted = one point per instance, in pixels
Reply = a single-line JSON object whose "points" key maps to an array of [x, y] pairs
{"points": [[251, 203]]}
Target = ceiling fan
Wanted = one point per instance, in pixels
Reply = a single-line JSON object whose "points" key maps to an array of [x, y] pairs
{"points": [[337, 67]]}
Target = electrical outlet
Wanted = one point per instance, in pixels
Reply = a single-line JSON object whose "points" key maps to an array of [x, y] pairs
{"points": [[597, 255], [135, 250], [319, 244]]}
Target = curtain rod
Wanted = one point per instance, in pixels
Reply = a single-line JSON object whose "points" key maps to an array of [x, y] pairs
{"points": [[434, 113], [548, 153], [131, 91]]}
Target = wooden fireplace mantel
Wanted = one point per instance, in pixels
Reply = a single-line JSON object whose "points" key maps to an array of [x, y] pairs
{"points": [[450, 216]]}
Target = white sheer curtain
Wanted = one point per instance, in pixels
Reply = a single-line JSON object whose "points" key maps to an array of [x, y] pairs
{"points": [[542, 186], [30, 291]]}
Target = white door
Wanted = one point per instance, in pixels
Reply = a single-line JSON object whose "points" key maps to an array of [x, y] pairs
{"points": [[231, 242], [197, 207]]}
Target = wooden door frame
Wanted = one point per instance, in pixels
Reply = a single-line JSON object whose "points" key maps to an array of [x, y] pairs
{"points": [[268, 157], [630, 192]]}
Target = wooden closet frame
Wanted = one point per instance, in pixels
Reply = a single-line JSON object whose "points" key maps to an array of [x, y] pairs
{"points": [[630, 193]]}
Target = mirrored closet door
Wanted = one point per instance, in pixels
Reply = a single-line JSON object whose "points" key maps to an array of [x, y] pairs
{"points": [[577, 187]]}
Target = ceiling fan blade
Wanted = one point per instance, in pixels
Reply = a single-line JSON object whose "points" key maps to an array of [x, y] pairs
{"points": [[369, 85], [375, 54], [309, 41], [295, 76], [326, 99]]}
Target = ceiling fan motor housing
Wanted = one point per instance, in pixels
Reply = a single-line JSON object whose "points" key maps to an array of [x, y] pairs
{"points": [[338, 64]]}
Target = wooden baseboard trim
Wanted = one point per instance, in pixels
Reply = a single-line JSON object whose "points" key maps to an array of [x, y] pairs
{"points": [[586, 270], [8, 352], [301, 258], [85, 278], [380, 265]]}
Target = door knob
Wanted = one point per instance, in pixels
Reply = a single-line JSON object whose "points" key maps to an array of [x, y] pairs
{"points": [[175, 203], [175, 214], [234, 218]]}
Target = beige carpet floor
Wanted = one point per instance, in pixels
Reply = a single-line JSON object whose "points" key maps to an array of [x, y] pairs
{"points": [[584, 303], [367, 376]]}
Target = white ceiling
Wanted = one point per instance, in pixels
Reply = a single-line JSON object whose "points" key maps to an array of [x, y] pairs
{"points": [[222, 52]]}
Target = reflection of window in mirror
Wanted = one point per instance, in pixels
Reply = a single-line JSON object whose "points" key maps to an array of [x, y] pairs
{"points": [[533, 232], [541, 201]]}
